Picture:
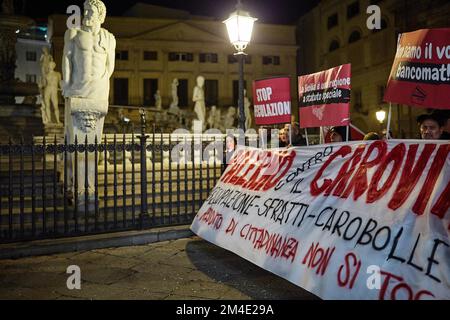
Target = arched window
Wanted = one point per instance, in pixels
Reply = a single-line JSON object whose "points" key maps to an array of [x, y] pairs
{"points": [[334, 45], [354, 36]]}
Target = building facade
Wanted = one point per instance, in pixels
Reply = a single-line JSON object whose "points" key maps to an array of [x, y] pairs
{"points": [[335, 32], [152, 51], [30, 43]]}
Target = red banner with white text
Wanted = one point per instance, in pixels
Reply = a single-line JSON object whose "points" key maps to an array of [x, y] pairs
{"points": [[353, 220], [324, 97], [420, 74]]}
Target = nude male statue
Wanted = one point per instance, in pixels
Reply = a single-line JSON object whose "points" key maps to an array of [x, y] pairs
{"points": [[52, 81], [44, 61], [198, 97], [89, 55], [174, 85], [88, 63]]}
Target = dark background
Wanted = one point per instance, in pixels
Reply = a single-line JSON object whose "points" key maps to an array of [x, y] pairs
{"points": [[267, 11]]}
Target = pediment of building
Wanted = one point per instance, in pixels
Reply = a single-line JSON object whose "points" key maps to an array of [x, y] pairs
{"points": [[179, 31]]}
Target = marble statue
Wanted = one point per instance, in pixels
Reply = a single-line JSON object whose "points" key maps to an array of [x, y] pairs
{"points": [[199, 99], [248, 114], [44, 61], [158, 101], [211, 117], [88, 63], [50, 84], [173, 108], [174, 90], [230, 118], [214, 120]]}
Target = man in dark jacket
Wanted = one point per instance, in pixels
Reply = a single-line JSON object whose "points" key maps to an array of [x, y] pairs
{"points": [[431, 126], [444, 115]]}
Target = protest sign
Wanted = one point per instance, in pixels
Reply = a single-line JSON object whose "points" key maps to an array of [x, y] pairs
{"points": [[324, 97], [272, 100], [354, 220], [420, 74]]}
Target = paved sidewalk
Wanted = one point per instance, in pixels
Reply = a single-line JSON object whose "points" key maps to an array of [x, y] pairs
{"points": [[188, 268]]}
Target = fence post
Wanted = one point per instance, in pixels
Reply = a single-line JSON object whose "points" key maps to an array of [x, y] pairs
{"points": [[143, 145]]}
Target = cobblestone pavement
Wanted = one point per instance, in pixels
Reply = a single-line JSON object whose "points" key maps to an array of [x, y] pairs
{"points": [[179, 269]]}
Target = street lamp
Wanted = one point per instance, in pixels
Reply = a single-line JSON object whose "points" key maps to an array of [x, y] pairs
{"points": [[381, 115], [125, 124], [239, 27]]}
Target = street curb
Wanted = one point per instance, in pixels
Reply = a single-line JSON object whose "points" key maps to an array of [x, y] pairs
{"points": [[83, 243]]}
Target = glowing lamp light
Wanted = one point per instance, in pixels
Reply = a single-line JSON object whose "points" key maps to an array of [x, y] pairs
{"points": [[381, 115], [240, 27]]}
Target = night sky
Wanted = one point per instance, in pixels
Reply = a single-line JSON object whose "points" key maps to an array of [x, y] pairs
{"points": [[267, 11]]}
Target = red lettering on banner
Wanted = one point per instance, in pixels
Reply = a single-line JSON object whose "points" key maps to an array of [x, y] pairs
{"points": [[211, 217], [359, 180], [231, 227], [351, 271], [430, 181], [396, 155], [345, 173], [262, 170], [442, 204], [274, 244], [317, 256], [388, 280], [314, 188], [410, 175], [238, 161]]}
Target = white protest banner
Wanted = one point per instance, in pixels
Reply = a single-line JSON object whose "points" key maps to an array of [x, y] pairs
{"points": [[353, 220]]}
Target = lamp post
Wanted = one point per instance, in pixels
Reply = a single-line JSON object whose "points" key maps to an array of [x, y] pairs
{"points": [[239, 27], [125, 121]]}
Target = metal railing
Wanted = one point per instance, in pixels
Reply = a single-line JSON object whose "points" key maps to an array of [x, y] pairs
{"points": [[138, 184]]}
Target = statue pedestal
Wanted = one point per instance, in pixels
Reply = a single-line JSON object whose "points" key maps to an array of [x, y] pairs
{"points": [[197, 126], [54, 129], [84, 120]]}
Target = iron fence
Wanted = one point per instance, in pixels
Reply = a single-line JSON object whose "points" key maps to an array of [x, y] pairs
{"points": [[137, 183]]}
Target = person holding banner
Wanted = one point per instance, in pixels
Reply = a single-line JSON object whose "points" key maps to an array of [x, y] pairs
{"points": [[296, 138], [431, 126], [337, 134], [445, 116], [371, 136], [283, 138], [230, 146]]}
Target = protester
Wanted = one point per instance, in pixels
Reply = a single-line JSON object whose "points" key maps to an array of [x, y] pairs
{"points": [[230, 146], [338, 134], [371, 136], [296, 139], [384, 135], [431, 126], [444, 115], [283, 137]]}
